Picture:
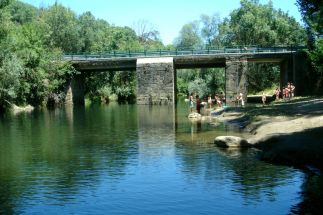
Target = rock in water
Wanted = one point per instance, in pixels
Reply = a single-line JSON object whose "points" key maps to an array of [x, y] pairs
{"points": [[231, 142], [194, 115]]}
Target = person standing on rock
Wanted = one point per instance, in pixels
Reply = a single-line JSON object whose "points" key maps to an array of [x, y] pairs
{"points": [[289, 87], [198, 104], [277, 92], [209, 101], [263, 99], [240, 98], [191, 102]]}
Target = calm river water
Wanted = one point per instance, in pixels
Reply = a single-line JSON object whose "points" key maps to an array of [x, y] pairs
{"points": [[128, 159]]}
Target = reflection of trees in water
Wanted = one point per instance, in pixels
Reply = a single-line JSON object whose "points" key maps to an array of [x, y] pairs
{"points": [[52, 154], [249, 177], [312, 195]]}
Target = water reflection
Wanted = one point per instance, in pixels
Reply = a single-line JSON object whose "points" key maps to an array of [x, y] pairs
{"points": [[54, 152], [131, 159]]}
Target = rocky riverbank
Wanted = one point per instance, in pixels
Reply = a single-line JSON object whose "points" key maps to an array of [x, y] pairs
{"points": [[286, 132]]}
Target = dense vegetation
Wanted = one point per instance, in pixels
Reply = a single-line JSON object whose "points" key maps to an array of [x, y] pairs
{"points": [[312, 12], [33, 40]]}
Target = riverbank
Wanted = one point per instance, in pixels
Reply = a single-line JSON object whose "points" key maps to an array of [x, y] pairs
{"points": [[289, 132]]}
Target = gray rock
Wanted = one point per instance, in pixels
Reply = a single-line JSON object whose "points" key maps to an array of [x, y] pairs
{"points": [[195, 115], [231, 142]]}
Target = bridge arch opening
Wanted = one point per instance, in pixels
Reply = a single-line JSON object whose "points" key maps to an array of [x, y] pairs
{"points": [[200, 81]]}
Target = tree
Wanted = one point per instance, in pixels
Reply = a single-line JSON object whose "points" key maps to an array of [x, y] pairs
{"points": [[199, 87], [21, 12], [209, 30], [147, 34], [10, 72], [88, 29], [124, 38], [312, 12], [63, 28], [4, 3], [4, 19], [262, 25], [189, 36]]}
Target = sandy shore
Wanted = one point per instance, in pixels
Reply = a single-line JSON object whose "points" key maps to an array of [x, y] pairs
{"points": [[286, 132]]}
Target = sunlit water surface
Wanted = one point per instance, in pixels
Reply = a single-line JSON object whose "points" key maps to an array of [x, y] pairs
{"points": [[128, 159]]}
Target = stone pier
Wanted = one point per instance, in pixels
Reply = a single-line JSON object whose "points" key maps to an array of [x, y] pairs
{"points": [[155, 81], [75, 92]]}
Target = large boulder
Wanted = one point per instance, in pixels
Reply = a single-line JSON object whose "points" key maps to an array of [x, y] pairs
{"points": [[231, 142]]}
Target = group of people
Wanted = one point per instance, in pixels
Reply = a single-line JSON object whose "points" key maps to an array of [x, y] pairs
{"points": [[287, 92], [218, 99]]}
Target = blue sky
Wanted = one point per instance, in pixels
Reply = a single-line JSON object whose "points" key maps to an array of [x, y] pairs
{"points": [[167, 16]]}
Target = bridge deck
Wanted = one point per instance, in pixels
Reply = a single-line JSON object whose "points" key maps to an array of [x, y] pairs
{"points": [[183, 60]]}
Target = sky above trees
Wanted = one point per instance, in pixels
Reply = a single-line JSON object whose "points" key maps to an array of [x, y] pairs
{"points": [[167, 16]]}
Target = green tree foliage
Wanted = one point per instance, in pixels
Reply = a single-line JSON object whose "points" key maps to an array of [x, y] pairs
{"points": [[317, 56], [312, 12], [33, 70], [198, 87], [10, 72], [200, 81], [107, 86], [262, 76], [4, 20], [262, 25], [189, 36], [21, 12], [209, 29], [63, 28], [4, 3], [88, 29], [124, 38]]}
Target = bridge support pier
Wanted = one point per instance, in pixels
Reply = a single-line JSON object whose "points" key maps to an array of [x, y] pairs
{"points": [[75, 92], [235, 79], [156, 81]]}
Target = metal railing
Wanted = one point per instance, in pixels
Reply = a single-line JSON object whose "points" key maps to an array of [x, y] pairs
{"points": [[182, 52]]}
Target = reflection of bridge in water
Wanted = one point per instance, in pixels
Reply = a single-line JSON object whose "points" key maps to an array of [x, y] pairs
{"points": [[156, 71]]}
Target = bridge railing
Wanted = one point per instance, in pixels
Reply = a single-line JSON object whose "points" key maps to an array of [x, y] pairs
{"points": [[183, 52]]}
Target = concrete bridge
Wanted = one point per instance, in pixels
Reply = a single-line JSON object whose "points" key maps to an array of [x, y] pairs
{"points": [[156, 72]]}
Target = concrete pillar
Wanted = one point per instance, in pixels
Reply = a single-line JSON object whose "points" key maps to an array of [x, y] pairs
{"points": [[75, 92], [235, 79], [155, 81]]}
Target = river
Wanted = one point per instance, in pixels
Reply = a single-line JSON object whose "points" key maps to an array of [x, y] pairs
{"points": [[129, 159]]}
